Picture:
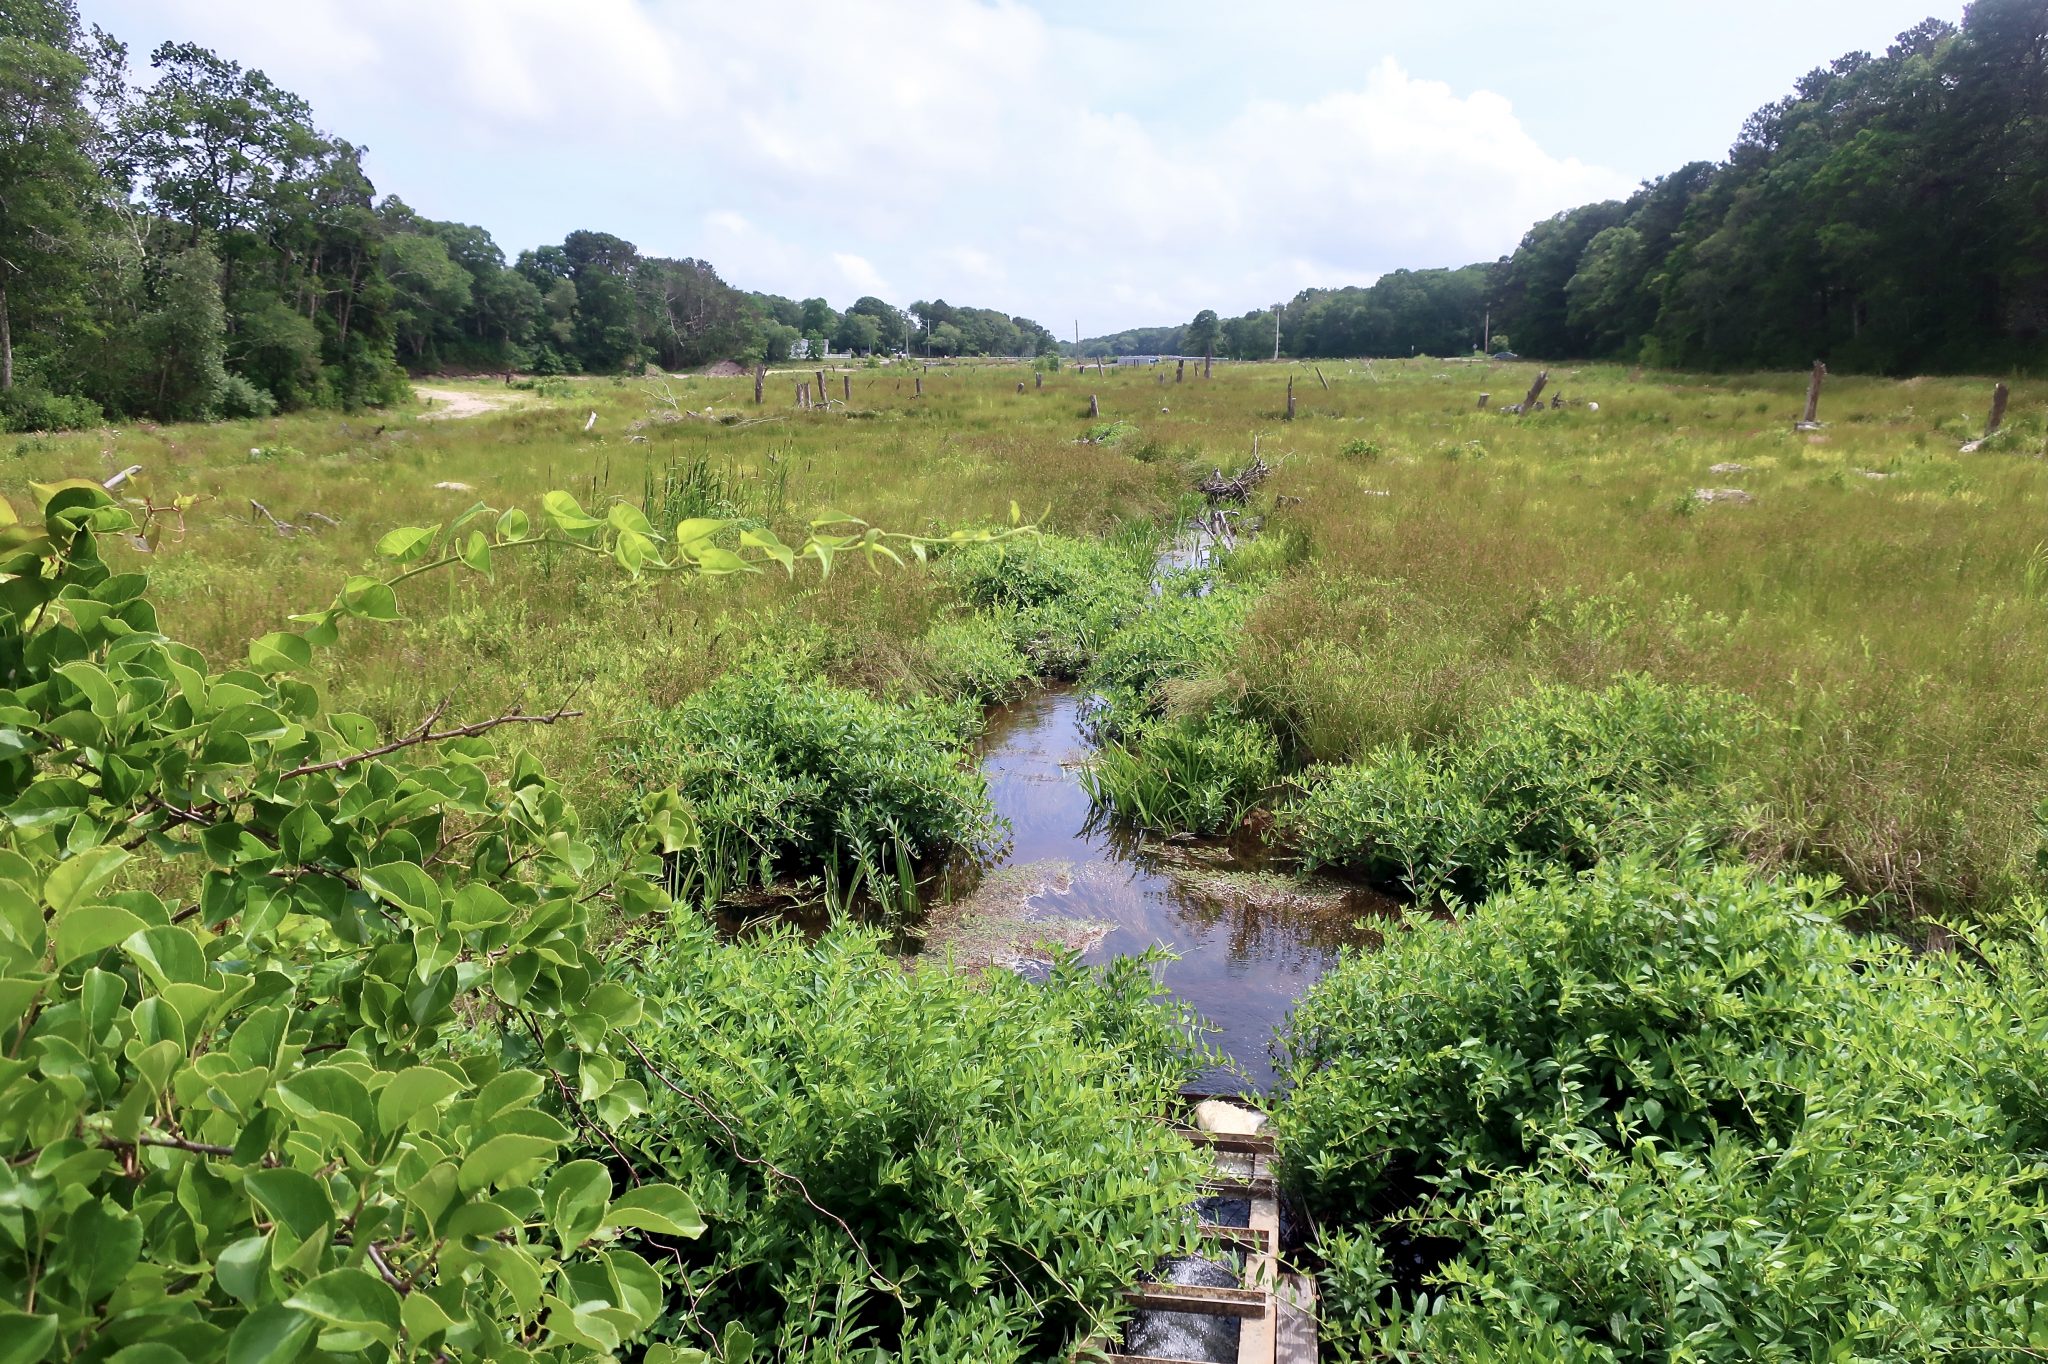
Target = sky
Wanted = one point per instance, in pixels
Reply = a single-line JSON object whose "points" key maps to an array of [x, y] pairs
{"points": [[1111, 163]]}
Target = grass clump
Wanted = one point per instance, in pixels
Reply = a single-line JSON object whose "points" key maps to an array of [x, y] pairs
{"points": [[1183, 634], [1562, 775], [1057, 597], [1646, 1114], [1197, 774], [962, 1213], [791, 779]]}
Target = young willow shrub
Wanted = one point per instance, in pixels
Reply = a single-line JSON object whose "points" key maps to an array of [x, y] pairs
{"points": [[1560, 776], [1182, 634], [1650, 1114], [910, 1164], [299, 1024], [789, 778], [1058, 598]]}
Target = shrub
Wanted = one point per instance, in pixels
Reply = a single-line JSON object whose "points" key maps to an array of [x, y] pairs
{"points": [[1176, 637], [1198, 774], [911, 1164], [1058, 598], [239, 399], [790, 778], [972, 658], [1645, 1114], [1562, 775], [31, 407]]}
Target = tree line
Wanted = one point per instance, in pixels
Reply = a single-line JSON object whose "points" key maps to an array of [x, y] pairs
{"points": [[1890, 215], [193, 245]]}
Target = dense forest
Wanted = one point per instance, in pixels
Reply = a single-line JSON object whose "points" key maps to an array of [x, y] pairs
{"points": [[186, 242], [1890, 215]]}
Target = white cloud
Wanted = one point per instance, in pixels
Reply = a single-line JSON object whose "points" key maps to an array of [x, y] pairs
{"points": [[965, 149]]}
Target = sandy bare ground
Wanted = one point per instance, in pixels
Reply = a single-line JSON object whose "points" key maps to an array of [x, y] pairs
{"points": [[456, 403]]}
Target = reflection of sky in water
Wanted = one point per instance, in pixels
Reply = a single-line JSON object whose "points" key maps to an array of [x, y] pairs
{"points": [[1241, 965]]}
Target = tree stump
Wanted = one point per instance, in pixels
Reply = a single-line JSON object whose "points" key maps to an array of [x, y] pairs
{"points": [[1535, 392], [846, 387], [1209, 365], [1484, 399], [1290, 397], [1812, 417], [920, 387], [760, 378], [1180, 370], [821, 385], [1094, 408], [1038, 379], [1999, 397], [1319, 378]]}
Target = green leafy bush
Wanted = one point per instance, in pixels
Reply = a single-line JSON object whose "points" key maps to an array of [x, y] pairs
{"points": [[1177, 636], [789, 778], [1198, 774], [1561, 775], [1646, 1114], [1058, 598], [973, 658], [29, 406], [286, 1008], [305, 1042], [239, 399], [911, 1161]]}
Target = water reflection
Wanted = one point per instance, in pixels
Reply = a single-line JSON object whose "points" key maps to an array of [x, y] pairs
{"points": [[1249, 940]]}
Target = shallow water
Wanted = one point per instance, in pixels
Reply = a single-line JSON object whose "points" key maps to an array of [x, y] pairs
{"points": [[1244, 957]]}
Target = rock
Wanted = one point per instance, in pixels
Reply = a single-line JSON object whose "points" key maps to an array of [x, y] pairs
{"points": [[1736, 495], [1228, 1119], [454, 488], [1592, 407]]}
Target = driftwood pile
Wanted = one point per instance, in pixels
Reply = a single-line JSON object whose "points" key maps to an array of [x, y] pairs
{"points": [[1237, 487]]}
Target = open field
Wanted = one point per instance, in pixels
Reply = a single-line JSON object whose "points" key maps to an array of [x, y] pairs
{"points": [[1883, 599]]}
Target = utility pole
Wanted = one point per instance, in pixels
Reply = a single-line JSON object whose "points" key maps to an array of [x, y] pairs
{"points": [[1486, 333], [1277, 309]]}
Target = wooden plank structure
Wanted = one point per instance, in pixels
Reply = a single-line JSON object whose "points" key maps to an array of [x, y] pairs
{"points": [[1275, 1311]]}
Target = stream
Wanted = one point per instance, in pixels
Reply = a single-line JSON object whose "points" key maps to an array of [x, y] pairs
{"points": [[1249, 939]]}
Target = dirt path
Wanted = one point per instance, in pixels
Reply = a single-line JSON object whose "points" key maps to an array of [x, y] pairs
{"points": [[458, 403]]}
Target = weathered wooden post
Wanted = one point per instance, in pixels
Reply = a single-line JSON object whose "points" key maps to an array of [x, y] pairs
{"points": [[846, 387], [1319, 376], [1812, 417], [1094, 408], [760, 378], [1557, 400], [1484, 399], [1180, 369], [1038, 379], [1290, 397], [1535, 392], [1209, 364], [821, 386], [1999, 397], [920, 387], [1160, 375]]}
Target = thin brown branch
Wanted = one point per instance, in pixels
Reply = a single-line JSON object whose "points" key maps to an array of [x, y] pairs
{"points": [[426, 734]]}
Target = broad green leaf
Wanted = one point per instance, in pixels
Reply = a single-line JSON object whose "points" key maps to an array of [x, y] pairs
{"points": [[476, 553], [280, 652], [576, 1198], [351, 1301], [293, 1198], [24, 1339], [370, 599], [408, 887], [511, 1158], [407, 542], [275, 1334], [240, 1268], [512, 525], [660, 1208], [93, 929], [409, 1092], [72, 881]]}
